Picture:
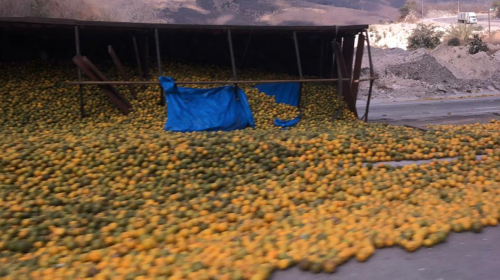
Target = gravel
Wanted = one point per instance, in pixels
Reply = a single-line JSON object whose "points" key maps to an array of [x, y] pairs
{"points": [[423, 74]]}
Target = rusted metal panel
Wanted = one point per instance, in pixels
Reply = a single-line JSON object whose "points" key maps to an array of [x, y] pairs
{"points": [[122, 71], [357, 65]]}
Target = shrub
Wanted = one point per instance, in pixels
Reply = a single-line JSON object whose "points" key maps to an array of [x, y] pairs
{"points": [[462, 31], [496, 5], [424, 36], [454, 42], [477, 45], [407, 9]]}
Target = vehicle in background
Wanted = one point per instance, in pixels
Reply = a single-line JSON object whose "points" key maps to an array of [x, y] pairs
{"points": [[467, 18]]}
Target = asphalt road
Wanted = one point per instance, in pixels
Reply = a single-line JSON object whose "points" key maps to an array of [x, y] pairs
{"points": [[481, 20], [464, 256], [419, 113]]}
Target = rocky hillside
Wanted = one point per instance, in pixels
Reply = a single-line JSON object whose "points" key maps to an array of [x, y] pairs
{"points": [[249, 12]]}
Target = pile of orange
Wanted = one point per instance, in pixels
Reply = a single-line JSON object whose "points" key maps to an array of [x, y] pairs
{"points": [[114, 197]]}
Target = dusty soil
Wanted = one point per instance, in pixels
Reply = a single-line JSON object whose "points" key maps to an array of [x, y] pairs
{"points": [[423, 74], [465, 66]]}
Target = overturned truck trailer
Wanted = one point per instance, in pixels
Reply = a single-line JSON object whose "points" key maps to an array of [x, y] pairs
{"points": [[330, 54]]}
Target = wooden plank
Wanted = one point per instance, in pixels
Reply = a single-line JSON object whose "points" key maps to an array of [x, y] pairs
{"points": [[348, 52], [78, 60], [145, 57], [122, 71], [357, 65], [346, 84], [137, 57], [101, 76]]}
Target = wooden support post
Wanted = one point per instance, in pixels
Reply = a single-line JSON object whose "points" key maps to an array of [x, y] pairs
{"points": [[145, 57], [160, 72], [357, 65], [299, 64], [322, 59], [80, 88], [138, 58], [338, 39], [346, 85], [122, 71], [372, 75], [348, 53], [233, 61]]}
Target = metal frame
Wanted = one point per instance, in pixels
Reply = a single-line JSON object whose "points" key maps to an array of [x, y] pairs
{"points": [[347, 81], [219, 82]]}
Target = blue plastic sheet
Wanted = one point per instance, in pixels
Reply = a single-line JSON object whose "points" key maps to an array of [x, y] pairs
{"points": [[290, 123], [287, 93], [214, 109]]}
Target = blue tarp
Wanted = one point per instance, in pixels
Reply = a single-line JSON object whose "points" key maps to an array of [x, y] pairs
{"points": [[214, 109], [287, 93]]}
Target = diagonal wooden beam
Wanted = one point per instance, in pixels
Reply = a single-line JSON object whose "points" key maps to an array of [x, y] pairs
{"points": [[103, 77], [137, 57], [122, 71], [83, 65]]}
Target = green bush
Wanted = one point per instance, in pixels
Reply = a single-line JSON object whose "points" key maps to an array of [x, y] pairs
{"points": [[496, 5], [477, 45], [462, 31], [454, 42], [424, 36], [408, 7]]}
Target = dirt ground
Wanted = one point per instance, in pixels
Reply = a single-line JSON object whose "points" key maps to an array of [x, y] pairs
{"points": [[446, 71]]}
